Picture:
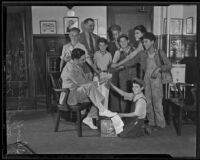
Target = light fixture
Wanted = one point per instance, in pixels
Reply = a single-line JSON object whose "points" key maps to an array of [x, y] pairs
{"points": [[70, 12]]}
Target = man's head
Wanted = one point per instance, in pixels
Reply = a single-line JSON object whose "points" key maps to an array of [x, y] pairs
{"points": [[148, 40], [74, 34], [138, 85], [116, 31], [89, 25], [123, 40], [103, 44], [78, 56]]}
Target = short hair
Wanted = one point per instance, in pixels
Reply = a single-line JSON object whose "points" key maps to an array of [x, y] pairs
{"points": [[77, 53], [150, 36], [74, 29], [87, 20], [141, 28], [102, 40], [138, 81], [115, 28], [122, 36]]}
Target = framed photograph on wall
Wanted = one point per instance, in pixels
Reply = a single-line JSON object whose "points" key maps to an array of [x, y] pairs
{"points": [[176, 26], [70, 22], [96, 26], [189, 25], [48, 27]]}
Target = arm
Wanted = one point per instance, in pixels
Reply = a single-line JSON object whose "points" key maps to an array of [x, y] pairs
{"points": [[167, 64], [132, 114], [131, 55], [119, 91], [115, 59], [61, 64]]}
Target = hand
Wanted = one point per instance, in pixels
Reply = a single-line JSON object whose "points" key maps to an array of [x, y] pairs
{"points": [[114, 65], [67, 58], [120, 67], [155, 73], [96, 84]]}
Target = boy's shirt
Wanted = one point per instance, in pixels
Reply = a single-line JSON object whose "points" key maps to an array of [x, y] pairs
{"points": [[67, 50], [102, 60], [140, 106]]}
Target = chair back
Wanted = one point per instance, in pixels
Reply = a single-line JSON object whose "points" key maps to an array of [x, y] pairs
{"points": [[56, 83]]}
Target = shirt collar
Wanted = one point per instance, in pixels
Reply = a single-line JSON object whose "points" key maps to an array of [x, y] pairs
{"points": [[126, 49], [138, 96]]}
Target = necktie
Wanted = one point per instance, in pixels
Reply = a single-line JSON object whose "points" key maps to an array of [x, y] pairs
{"points": [[91, 44]]}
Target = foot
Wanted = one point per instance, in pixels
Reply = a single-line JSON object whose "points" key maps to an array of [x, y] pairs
{"points": [[107, 113], [88, 121]]}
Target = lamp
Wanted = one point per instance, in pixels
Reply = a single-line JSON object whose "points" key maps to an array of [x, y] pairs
{"points": [[70, 12]]}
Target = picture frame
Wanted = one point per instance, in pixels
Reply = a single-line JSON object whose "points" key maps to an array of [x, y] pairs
{"points": [[189, 25], [96, 26], [48, 27], [176, 26], [70, 22]]}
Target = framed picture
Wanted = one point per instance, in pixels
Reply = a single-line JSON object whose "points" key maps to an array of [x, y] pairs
{"points": [[96, 26], [48, 27], [70, 22], [176, 26], [189, 25]]}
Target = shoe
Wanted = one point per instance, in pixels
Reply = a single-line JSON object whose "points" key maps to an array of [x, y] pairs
{"points": [[107, 113], [88, 121]]}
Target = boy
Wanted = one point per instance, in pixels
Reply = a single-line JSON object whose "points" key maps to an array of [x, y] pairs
{"points": [[102, 60], [134, 122]]}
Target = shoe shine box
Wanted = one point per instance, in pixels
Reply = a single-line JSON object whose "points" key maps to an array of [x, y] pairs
{"points": [[107, 128]]}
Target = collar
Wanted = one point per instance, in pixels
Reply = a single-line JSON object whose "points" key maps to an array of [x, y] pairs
{"points": [[138, 96], [126, 49]]}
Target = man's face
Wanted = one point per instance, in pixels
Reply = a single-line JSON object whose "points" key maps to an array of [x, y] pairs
{"points": [[81, 60], [123, 42], [90, 26], [147, 43], [74, 35], [102, 46], [136, 88], [115, 34]]}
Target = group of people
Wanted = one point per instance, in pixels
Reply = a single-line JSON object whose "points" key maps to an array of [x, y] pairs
{"points": [[134, 92]]}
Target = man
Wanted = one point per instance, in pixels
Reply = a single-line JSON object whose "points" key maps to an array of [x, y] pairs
{"points": [[74, 43], [90, 40], [81, 88]]}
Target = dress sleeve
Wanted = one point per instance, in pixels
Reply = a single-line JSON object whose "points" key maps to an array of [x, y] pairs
{"points": [[116, 56]]}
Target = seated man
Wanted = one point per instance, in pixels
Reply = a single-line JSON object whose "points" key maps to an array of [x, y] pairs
{"points": [[81, 88], [134, 124]]}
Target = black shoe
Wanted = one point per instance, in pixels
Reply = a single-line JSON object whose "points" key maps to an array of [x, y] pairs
{"points": [[147, 130]]}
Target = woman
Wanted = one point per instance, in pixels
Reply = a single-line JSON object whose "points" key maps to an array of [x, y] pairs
{"points": [[139, 31]]}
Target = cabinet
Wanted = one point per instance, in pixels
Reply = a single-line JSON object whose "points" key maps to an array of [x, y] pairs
{"points": [[20, 93], [47, 52]]}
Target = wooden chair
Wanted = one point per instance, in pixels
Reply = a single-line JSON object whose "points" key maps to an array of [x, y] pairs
{"points": [[57, 89], [181, 104]]}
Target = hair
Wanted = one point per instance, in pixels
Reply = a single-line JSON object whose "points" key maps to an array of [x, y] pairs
{"points": [[138, 81], [87, 20], [115, 28], [122, 36], [141, 28], [77, 53], [74, 29], [150, 36], [102, 40]]}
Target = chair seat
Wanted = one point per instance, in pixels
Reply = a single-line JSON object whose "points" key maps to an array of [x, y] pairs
{"points": [[80, 106], [181, 103]]}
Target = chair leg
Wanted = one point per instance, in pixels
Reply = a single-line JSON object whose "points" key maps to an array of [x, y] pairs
{"points": [[57, 121], [179, 120], [79, 123]]}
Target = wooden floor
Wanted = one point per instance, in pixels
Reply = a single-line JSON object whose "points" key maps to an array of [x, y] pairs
{"points": [[35, 128]]}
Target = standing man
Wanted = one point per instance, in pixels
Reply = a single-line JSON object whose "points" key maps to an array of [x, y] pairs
{"points": [[90, 40]]}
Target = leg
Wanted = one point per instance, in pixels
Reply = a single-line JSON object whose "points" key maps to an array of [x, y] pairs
{"points": [[157, 95], [179, 120], [150, 111], [79, 124], [57, 121]]}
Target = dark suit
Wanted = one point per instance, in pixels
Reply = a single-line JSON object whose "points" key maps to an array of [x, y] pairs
{"points": [[83, 40]]}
